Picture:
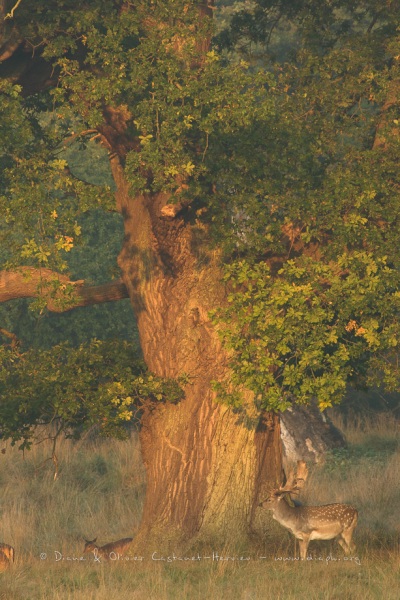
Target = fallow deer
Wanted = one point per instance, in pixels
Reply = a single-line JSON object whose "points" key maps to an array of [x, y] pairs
{"points": [[311, 522], [111, 550], [6, 556]]}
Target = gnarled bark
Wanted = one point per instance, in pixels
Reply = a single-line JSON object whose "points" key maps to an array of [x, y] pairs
{"points": [[206, 465], [307, 434]]}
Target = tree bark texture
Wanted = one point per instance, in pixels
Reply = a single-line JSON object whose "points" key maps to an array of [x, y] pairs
{"points": [[307, 434], [206, 466]]}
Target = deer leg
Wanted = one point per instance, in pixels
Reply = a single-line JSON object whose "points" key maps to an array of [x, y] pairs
{"points": [[303, 544], [347, 534], [344, 545], [346, 542]]}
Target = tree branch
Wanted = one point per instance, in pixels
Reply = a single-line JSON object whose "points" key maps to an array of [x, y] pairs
{"points": [[28, 282], [10, 15], [11, 336]]}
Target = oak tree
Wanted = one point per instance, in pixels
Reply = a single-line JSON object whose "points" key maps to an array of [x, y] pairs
{"points": [[260, 210]]}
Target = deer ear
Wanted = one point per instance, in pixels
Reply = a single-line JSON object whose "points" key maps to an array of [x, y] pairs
{"points": [[289, 500]]}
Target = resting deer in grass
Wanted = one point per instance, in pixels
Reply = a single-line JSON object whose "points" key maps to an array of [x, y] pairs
{"points": [[6, 556], [115, 548], [311, 522]]}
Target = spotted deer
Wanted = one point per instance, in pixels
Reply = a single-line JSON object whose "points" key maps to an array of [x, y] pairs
{"points": [[110, 550], [311, 522], [6, 556]]}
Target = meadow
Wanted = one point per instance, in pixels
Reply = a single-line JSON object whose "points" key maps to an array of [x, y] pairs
{"points": [[99, 492]]}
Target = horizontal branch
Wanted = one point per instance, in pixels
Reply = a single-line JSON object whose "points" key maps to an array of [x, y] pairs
{"points": [[61, 294], [11, 336]]}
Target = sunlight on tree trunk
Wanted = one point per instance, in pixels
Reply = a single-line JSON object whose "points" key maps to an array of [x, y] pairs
{"points": [[206, 465]]}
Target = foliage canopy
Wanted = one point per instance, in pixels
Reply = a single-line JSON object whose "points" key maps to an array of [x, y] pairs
{"points": [[289, 164]]}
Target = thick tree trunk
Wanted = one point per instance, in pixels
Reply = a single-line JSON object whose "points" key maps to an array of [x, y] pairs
{"points": [[206, 466]]}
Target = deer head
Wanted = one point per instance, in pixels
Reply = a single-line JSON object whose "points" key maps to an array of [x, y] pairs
{"points": [[293, 485]]}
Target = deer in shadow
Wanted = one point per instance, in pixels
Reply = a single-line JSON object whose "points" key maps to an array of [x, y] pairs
{"points": [[112, 550]]}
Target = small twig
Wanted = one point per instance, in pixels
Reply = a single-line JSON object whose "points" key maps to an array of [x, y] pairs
{"points": [[67, 141], [80, 134], [205, 149], [374, 20], [53, 457], [55, 462], [10, 15], [273, 26], [34, 46], [84, 436]]}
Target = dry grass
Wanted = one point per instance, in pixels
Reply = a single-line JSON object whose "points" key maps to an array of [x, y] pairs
{"points": [[99, 492], [358, 427]]}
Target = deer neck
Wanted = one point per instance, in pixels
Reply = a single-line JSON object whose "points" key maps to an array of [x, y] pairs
{"points": [[285, 514]]}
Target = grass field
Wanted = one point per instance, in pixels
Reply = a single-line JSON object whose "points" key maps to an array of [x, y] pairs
{"points": [[100, 490]]}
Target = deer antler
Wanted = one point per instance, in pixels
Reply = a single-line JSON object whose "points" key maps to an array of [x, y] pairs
{"points": [[295, 482]]}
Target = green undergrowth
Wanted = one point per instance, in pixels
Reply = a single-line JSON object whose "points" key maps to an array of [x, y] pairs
{"points": [[374, 450]]}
